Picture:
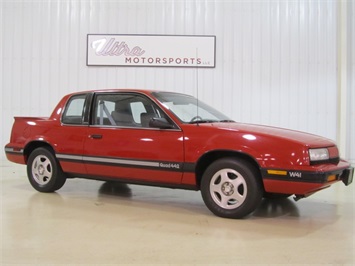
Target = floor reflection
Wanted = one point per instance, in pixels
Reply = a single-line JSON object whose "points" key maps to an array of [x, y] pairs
{"points": [[270, 208], [115, 189], [94, 223]]}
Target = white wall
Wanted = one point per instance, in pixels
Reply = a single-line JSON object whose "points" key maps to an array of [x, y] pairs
{"points": [[276, 61], [350, 140]]}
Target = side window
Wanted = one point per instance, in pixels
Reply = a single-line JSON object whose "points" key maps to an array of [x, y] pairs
{"points": [[137, 110], [124, 109], [74, 110]]}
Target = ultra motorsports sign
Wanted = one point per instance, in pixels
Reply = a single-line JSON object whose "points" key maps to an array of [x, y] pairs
{"points": [[151, 50]]}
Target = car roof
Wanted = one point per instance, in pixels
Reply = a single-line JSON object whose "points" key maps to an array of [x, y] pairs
{"points": [[145, 91]]}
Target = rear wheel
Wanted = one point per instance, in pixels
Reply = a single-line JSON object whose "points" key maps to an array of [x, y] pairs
{"points": [[44, 171], [231, 188]]}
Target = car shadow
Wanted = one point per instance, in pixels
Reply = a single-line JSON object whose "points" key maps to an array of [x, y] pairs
{"points": [[271, 208], [115, 189], [268, 208]]}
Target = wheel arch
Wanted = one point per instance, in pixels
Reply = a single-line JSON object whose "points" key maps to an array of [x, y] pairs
{"points": [[31, 146], [211, 156]]}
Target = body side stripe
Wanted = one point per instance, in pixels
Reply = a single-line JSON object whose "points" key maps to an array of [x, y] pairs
{"points": [[159, 165]]}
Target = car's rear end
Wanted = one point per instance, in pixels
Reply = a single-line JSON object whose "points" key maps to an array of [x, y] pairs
{"points": [[20, 136]]}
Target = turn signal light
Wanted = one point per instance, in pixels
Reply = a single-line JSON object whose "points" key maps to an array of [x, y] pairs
{"points": [[331, 178], [276, 172]]}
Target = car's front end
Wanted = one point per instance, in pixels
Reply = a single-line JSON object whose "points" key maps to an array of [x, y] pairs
{"points": [[293, 162], [321, 168], [290, 162]]}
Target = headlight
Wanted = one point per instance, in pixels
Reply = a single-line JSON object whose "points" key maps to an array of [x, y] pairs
{"points": [[318, 154]]}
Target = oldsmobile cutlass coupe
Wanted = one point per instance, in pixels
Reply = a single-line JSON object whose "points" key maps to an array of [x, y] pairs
{"points": [[172, 140]]}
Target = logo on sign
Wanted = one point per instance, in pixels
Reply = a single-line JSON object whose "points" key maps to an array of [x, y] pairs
{"points": [[150, 50], [104, 47], [112, 47]]}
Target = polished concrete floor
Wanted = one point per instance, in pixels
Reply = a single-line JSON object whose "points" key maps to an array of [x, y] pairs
{"points": [[95, 223]]}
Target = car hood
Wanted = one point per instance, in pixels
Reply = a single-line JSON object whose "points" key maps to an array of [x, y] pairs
{"points": [[251, 131]]}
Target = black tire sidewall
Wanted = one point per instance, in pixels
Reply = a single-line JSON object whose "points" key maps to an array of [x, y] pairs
{"points": [[57, 179], [253, 184]]}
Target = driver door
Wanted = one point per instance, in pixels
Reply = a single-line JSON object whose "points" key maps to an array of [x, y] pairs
{"points": [[120, 144]]}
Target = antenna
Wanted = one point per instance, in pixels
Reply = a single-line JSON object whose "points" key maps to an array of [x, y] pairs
{"points": [[197, 124]]}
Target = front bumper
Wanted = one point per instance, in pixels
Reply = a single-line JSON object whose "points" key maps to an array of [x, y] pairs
{"points": [[304, 183], [347, 176]]}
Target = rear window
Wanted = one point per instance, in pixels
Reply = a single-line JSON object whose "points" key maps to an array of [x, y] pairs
{"points": [[74, 110]]}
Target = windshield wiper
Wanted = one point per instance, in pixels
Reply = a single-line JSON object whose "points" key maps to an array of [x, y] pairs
{"points": [[203, 121], [226, 121]]}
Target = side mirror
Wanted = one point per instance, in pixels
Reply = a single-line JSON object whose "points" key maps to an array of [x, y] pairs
{"points": [[161, 123]]}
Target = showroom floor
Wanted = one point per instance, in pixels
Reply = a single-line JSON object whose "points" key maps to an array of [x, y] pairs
{"points": [[94, 223]]}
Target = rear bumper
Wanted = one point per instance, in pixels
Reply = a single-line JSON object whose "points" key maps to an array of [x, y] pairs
{"points": [[304, 183], [14, 154]]}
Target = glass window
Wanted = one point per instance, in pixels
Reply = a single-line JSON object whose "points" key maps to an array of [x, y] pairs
{"points": [[188, 109], [137, 110], [124, 109], [74, 110]]}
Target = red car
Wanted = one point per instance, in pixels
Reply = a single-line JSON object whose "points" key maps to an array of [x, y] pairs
{"points": [[172, 140]]}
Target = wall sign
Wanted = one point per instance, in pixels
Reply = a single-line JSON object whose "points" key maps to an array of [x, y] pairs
{"points": [[151, 50]]}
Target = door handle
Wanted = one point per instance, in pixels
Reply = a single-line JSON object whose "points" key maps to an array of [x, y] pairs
{"points": [[96, 136]]}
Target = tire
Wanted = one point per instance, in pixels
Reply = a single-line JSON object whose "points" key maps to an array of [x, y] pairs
{"points": [[44, 171], [231, 188]]}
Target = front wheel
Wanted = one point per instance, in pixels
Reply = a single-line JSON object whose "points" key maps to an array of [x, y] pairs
{"points": [[231, 188], [44, 171]]}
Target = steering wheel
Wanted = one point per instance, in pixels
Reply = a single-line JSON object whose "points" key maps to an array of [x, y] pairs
{"points": [[195, 118]]}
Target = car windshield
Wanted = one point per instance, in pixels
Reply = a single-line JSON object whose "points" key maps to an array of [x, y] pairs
{"points": [[188, 109]]}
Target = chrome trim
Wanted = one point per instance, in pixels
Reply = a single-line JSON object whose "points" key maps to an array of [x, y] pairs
{"points": [[137, 127], [120, 161], [12, 150], [161, 165], [69, 157], [107, 160], [74, 125]]}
